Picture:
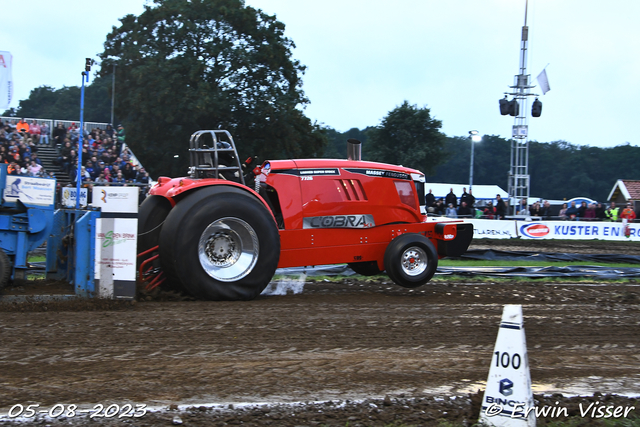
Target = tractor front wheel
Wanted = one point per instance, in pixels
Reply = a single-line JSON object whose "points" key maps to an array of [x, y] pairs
{"points": [[222, 243], [410, 260]]}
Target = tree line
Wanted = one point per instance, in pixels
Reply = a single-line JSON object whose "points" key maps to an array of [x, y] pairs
{"points": [[558, 169], [187, 65]]}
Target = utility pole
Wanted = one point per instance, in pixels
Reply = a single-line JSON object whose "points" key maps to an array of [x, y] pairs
{"points": [[113, 93], [474, 136], [519, 179]]}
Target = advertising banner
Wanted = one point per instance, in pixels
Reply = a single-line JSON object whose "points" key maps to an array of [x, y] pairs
{"points": [[493, 229], [115, 262], [116, 241], [6, 81], [578, 230], [30, 191], [116, 199], [567, 230], [68, 198]]}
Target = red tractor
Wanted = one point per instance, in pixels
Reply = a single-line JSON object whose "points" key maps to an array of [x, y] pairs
{"points": [[219, 239]]}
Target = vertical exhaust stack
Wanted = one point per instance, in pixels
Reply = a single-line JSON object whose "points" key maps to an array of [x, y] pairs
{"points": [[354, 149]]}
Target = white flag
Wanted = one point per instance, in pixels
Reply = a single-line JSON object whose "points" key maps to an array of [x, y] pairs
{"points": [[6, 82], [543, 81]]}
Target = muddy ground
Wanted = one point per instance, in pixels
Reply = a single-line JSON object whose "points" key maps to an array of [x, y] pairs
{"points": [[357, 352]]}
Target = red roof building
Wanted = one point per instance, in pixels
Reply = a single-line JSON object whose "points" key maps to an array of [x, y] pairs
{"points": [[625, 191]]}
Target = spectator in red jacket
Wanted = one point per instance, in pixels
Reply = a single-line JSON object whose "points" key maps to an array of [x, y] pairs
{"points": [[590, 212], [628, 213], [490, 211], [22, 127]]}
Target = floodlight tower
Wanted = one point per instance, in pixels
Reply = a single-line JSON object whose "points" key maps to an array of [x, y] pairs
{"points": [[521, 91]]}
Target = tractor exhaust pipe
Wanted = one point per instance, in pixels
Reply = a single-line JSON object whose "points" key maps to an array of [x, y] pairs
{"points": [[354, 149]]}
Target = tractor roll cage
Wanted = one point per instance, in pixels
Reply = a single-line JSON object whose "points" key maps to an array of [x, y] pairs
{"points": [[212, 154]]}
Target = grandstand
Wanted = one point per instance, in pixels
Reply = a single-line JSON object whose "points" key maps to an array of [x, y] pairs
{"points": [[116, 165]]}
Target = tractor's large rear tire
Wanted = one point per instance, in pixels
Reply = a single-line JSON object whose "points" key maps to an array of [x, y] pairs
{"points": [[5, 269], [222, 243], [151, 215], [410, 260]]}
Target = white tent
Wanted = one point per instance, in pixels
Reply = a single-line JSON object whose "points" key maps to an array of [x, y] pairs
{"points": [[480, 192]]}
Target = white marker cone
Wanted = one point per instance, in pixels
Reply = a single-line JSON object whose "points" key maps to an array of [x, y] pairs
{"points": [[508, 399]]}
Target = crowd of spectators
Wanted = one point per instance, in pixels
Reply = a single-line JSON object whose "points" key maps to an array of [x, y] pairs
{"points": [[19, 148], [465, 207], [596, 212], [105, 160]]}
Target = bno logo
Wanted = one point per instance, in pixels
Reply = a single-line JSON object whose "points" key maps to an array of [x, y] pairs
{"points": [[506, 387], [535, 231]]}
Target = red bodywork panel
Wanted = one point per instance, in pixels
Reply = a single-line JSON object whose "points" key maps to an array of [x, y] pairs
{"points": [[342, 211], [334, 211], [318, 187], [339, 245], [173, 187]]}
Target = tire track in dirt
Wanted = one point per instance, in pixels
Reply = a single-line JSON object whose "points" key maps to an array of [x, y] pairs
{"points": [[335, 341]]}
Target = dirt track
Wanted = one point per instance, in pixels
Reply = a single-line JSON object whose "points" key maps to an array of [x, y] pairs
{"points": [[351, 340]]}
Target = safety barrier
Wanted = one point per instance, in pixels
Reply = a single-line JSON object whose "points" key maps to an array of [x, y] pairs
{"points": [[567, 230]]}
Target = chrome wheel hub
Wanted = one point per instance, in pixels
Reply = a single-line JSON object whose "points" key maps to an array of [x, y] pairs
{"points": [[414, 261], [228, 249]]}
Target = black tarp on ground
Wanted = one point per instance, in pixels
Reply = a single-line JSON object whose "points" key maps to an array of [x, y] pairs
{"points": [[538, 272], [532, 272], [602, 272], [490, 254]]}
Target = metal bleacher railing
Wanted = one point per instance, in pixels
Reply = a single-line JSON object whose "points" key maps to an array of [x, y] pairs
{"points": [[53, 123]]}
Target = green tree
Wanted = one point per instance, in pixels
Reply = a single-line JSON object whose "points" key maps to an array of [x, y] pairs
{"points": [[408, 136], [186, 65], [491, 161], [337, 141], [558, 170], [45, 102], [11, 112], [49, 103]]}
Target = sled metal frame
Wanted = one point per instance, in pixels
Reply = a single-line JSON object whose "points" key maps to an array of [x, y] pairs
{"points": [[71, 249]]}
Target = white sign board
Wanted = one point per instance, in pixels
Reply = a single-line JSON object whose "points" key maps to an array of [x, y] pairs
{"points": [[6, 80], [519, 131], [29, 190], [568, 230], [116, 241], [115, 259], [116, 199], [493, 229], [578, 230], [68, 198]]}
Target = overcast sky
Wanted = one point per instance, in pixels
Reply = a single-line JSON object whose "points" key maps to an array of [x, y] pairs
{"points": [[365, 57]]}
